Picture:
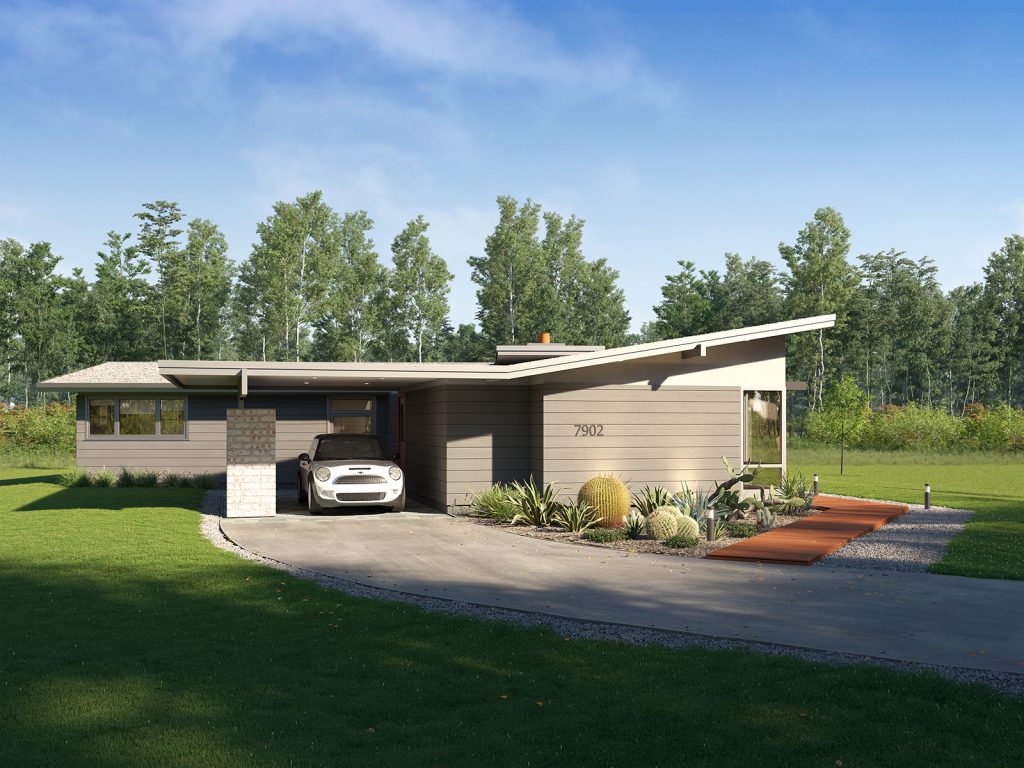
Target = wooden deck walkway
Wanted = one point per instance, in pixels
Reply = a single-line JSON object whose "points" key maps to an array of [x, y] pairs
{"points": [[810, 539]]}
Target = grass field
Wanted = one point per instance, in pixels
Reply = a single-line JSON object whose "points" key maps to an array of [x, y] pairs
{"points": [[992, 544], [127, 639]]}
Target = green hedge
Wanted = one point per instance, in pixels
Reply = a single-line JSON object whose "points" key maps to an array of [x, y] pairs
{"points": [[51, 427], [933, 429]]}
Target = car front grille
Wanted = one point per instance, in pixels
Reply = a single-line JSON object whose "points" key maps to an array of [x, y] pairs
{"points": [[360, 497], [359, 480]]}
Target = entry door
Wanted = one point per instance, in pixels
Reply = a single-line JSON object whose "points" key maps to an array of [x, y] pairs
{"points": [[353, 415]]}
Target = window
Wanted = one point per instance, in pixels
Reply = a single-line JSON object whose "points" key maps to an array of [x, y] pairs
{"points": [[763, 438], [172, 417], [101, 417], [137, 417], [352, 415]]}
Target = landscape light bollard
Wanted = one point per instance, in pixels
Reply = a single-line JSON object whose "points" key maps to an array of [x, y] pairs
{"points": [[927, 495], [711, 524], [815, 483]]}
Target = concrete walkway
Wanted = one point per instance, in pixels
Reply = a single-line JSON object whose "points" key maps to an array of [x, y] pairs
{"points": [[914, 617]]}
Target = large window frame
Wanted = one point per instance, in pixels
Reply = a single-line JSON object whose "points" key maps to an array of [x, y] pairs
{"points": [[748, 449], [344, 406], [117, 400]]}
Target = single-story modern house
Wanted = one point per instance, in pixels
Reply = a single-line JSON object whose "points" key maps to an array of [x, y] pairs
{"points": [[658, 413]]}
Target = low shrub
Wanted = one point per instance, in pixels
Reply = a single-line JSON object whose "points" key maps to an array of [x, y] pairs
{"points": [[740, 530], [176, 480], [103, 479], [604, 535], [204, 482], [75, 478], [494, 503], [681, 542], [50, 427]]}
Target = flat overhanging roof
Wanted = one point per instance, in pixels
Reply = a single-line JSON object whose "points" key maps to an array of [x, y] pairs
{"points": [[252, 376]]}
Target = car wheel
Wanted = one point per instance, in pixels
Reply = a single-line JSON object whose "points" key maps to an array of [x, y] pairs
{"points": [[399, 505], [312, 504]]}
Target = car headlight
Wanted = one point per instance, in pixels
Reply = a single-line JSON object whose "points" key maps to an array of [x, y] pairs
{"points": [[323, 474], [395, 473]]}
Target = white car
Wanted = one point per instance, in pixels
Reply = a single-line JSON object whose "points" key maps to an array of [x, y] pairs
{"points": [[349, 471]]}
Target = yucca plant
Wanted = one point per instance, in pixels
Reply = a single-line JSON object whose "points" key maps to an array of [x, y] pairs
{"points": [[575, 517], [536, 506], [652, 497], [633, 525]]}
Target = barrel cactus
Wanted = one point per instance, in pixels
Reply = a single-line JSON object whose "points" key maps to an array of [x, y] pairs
{"points": [[608, 496], [687, 527], [662, 523]]}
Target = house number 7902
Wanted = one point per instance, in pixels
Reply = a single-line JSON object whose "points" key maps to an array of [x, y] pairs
{"points": [[589, 430]]}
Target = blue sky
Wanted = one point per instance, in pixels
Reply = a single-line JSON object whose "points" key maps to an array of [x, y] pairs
{"points": [[677, 130]]}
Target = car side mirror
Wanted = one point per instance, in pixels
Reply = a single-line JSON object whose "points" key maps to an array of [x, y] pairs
{"points": [[303, 457], [395, 457]]}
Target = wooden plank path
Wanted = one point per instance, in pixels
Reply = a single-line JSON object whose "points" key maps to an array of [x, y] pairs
{"points": [[805, 541]]}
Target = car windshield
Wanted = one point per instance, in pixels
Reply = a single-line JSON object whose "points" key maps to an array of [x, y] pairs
{"points": [[349, 447]]}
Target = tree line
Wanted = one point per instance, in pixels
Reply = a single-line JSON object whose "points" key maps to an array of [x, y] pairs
{"points": [[897, 333], [313, 287]]}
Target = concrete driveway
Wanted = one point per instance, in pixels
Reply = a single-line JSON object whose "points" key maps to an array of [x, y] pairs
{"points": [[923, 618]]}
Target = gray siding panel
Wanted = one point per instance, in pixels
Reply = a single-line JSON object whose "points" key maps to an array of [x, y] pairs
{"points": [[426, 413], [489, 438], [202, 452], [299, 419]]}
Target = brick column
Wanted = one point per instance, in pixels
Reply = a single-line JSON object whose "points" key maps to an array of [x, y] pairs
{"points": [[252, 465]]}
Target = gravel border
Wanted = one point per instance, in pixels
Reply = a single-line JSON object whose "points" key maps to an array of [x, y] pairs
{"points": [[211, 511], [911, 542]]}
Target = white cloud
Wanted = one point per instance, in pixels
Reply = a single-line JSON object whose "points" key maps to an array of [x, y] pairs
{"points": [[480, 42]]}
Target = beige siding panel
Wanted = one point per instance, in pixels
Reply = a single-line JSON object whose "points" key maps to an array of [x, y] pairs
{"points": [[650, 436]]}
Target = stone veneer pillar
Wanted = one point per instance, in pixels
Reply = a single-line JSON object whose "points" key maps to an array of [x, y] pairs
{"points": [[252, 465]]}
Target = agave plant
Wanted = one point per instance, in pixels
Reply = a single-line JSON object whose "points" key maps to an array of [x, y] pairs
{"points": [[652, 497], [536, 506], [633, 525], [575, 517], [693, 502]]}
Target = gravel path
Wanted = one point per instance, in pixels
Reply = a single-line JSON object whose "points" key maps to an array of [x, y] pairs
{"points": [[909, 543], [212, 510]]}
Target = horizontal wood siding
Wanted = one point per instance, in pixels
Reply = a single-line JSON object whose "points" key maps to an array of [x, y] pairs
{"points": [[489, 438], [204, 450], [299, 419], [648, 436], [426, 414]]}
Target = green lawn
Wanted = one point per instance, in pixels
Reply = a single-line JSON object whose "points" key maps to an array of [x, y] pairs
{"points": [[992, 544], [127, 639]]}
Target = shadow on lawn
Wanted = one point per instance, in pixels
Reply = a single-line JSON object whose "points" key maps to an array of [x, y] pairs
{"points": [[226, 663], [113, 498], [30, 480]]}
